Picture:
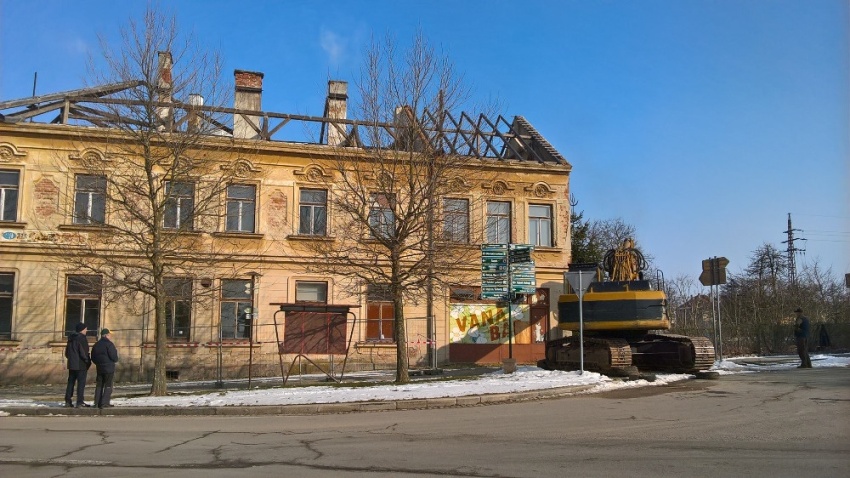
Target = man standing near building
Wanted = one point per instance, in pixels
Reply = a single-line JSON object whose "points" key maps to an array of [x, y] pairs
{"points": [[79, 361], [801, 334], [104, 355]]}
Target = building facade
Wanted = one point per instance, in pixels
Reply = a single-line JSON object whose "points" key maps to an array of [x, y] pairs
{"points": [[223, 317]]}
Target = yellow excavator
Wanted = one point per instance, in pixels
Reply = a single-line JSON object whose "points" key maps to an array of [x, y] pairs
{"points": [[622, 318]]}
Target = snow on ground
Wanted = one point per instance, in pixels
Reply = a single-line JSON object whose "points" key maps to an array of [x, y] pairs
{"points": [[524, 379]]}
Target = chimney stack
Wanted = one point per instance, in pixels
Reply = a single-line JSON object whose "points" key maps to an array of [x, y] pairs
{"points": [[163, 89], [336, 107], [249, 94], [194, 123]]}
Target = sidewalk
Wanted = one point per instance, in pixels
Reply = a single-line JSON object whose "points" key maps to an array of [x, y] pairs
{"points": [[47, 399]]}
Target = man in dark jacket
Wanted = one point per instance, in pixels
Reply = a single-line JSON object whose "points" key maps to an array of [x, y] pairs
{"points": [[77, 353], [801, 335], [104, 355]]}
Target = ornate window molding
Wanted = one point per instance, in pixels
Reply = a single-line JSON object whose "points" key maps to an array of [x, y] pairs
{"points": [[458, 185], [241, 168], [9, 152], [540, 189], [90, 155], [313, 173], [498, 188]]}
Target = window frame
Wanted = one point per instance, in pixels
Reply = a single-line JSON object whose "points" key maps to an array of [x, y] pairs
{"points": [[7, 305], [381, 215], [238, 303], [548, 220], [380, 329], [452, 217], [86, 297], [5, 190], [311, 209], [302, 283], [495, 219], [91, 193], [183, 286], [176, 201], [240, 202]]}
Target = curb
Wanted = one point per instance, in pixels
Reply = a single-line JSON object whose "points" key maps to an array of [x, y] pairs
{"points": [[302, 409]]}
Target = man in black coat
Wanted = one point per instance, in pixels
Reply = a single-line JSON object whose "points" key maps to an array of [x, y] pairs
{"points": [[105, 356], [79, 361], [801, 336]]}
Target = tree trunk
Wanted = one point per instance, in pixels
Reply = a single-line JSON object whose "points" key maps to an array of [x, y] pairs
{"points": [[402, 375], [159, 385]]}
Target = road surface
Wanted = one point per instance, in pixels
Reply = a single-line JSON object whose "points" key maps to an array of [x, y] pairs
{"points": [[768, 424]]}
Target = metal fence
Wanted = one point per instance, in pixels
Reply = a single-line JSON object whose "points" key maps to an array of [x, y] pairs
{"points": [[39, 355]]}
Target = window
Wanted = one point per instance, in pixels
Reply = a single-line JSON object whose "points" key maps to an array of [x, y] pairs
{"points": [[381, 215], [540, 225], [456, 220], [498, 222], [241, 204], [179, 205], [379, 313], [178, 308], [311, 292], [235, 304], [313, 212], [82, 303], [7, 295], [9, 195], [89, 199]]}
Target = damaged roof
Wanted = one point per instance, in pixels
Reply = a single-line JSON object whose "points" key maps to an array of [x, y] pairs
{"points": [[460, 134]]}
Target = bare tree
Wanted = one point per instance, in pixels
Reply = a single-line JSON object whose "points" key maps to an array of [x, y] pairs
{"points": [[591, 239], [396, 229], [155, 171]]}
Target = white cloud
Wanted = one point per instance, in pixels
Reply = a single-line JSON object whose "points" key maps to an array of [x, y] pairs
{"points": [[333, 45], [76, 46]]}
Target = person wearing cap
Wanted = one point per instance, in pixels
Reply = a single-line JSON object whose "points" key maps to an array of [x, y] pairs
{"points": [[79, 361], [801, 335], [105, 356]]}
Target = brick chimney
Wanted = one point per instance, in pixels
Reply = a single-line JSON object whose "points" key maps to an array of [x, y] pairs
{"points": [[163, 89], [336, 107], [249, 94]]}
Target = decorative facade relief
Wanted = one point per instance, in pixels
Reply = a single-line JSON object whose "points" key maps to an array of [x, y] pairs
{"points": [[458, 185], [89, 155], [540, 190], [312, 173], [8, 153], [498, 188], [241, 168]]}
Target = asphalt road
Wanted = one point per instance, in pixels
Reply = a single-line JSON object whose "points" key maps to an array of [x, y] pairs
{"points": [[769, 424]]}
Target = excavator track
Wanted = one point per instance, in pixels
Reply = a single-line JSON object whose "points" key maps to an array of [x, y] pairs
{"points": [[604, 355], [673, 353]]}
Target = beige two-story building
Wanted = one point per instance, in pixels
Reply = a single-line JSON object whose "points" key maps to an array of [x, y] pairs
{"points": [[245, 234]]}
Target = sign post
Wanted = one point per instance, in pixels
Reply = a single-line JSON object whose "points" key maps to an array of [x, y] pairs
{"points": [[713, 275], [580, 281], [507, 270]]}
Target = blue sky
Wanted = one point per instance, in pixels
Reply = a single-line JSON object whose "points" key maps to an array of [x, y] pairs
{"points": [[703, 123]]}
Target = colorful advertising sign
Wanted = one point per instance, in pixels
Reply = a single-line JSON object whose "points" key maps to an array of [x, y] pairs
{"points": [[485, 323]]}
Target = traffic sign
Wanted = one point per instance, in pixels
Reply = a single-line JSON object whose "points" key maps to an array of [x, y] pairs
{"points": [[580, 281], [521, 252], [713, 271]]}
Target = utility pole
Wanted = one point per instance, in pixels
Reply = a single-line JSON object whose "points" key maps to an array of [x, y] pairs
{"points": [[792, 251]]}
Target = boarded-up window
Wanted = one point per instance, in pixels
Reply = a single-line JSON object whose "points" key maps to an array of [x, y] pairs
{"points": [[314, 333], [379, 313]]}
